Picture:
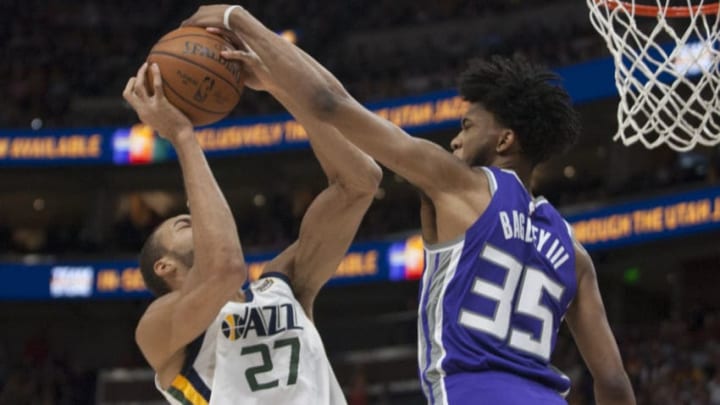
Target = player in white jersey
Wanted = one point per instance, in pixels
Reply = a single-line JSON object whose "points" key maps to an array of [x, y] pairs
{"points": [[210, 342], [271, 345]]}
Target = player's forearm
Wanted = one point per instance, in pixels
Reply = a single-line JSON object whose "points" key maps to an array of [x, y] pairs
{"points": [[345, 164], [616, 390], [341, 161], [360, 161], [215, 240]]}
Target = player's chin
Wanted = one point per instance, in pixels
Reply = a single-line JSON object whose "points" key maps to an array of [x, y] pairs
{"points": [[477, 159]]}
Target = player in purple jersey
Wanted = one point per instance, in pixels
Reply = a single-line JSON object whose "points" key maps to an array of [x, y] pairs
{"points": [[502, 268]]}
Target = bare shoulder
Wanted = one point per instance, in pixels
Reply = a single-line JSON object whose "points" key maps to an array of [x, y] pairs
{"points": [[475, 188], [151, 332], [152, 338], [284, 262], [584, 267], [455, 209], [161, 305], [157, 309], [583, 262], [481, 180]]}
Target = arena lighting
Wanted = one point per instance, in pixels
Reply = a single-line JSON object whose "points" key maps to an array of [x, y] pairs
{"points": [[39, 204], [259, 200], [36, 123]]}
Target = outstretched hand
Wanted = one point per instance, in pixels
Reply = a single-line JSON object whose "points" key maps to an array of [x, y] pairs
{"points": [[257, 75], [213, 19], [154, 109]]}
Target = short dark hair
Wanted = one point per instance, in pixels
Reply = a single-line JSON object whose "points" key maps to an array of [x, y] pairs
{"points": [[527, 99], [152, 251]]}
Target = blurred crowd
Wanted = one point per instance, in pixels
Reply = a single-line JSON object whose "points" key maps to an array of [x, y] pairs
{"points": [[40, 376], [270, 227], [65, 63], [674, 362]]}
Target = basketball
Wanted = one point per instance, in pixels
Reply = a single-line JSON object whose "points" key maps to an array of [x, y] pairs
{"points": [[196, 79]]}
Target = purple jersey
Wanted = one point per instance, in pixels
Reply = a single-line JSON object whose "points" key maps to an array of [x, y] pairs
{"points": [[493, 301]]}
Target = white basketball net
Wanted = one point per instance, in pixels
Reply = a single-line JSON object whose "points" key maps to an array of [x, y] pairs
{"points": [[668, 78]]}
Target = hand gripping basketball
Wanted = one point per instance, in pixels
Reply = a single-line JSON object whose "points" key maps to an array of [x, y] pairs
{"points": [[154, 109], [257, 75]]}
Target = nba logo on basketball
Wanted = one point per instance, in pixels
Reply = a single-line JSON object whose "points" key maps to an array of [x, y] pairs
{"points": [[204, 88]]}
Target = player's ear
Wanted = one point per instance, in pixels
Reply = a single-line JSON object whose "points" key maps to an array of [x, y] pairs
{"points": [[506, 141], [164, 266]]}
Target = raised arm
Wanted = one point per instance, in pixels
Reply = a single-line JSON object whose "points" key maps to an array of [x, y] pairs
{"points": [[594, 338], [332, 220], [312, 88], [218, 269]]}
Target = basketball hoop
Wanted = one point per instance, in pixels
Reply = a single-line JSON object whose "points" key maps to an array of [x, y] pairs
{"points": [[667, 69], [667, 11]]}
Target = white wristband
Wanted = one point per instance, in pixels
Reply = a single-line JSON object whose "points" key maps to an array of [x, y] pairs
{"points": [[226, 17]]}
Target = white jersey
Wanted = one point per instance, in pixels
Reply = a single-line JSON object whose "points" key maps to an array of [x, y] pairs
{"points": [[266, 351], [192, 385]]}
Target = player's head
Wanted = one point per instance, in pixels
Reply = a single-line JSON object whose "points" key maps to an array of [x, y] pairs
{"points": [[167, 255], [516, 111]]}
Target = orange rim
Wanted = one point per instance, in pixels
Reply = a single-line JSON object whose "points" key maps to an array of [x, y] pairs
{"points": [[654, 11]]}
